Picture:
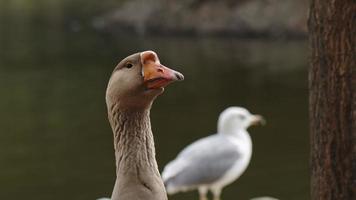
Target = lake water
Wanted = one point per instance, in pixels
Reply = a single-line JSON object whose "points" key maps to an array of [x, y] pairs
{"points": [[56, 143]]}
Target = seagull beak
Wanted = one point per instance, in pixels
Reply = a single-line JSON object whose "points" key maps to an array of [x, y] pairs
{"points": [[155, 75], [258, 120]]}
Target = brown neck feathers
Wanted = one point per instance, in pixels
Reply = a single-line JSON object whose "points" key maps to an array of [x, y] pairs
{"points": [[133, 139]]}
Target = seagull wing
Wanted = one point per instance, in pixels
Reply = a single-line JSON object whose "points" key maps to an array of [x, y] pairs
{"points": [[203, 162]]}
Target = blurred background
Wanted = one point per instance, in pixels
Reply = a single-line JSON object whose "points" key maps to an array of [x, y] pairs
{"points": [[56, 58]]}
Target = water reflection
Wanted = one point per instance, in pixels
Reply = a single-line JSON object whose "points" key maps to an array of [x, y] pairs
{"points": [[56, 141]]}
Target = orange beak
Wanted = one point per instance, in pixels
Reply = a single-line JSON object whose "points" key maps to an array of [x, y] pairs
{"points": [[155, 75]]}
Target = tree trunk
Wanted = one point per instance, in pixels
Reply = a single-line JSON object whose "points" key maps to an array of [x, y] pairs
{"points": [[332, 99]]}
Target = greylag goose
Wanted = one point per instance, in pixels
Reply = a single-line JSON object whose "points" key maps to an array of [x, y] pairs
{"points": [[134, 84], [215, 161]]}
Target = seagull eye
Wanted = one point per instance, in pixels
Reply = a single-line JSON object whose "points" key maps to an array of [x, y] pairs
{"points": [[129, 65]]}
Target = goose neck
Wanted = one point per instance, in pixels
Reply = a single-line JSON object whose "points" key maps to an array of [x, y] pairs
{"points": [[133, 139]]}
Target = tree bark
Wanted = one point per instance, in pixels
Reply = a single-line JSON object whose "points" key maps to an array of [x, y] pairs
{"points": [[332, 99]]}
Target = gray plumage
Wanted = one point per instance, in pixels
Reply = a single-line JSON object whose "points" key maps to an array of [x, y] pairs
{"points": [[200, 164]]}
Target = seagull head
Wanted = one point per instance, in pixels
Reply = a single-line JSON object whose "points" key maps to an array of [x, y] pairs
{"points": [[235, 118]]}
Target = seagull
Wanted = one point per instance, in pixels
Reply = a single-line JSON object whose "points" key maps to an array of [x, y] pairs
{"points": [[212, 162], [264, 198]]}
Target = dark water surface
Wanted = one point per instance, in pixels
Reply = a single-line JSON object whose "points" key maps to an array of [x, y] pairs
{"points": [[56, 143]]}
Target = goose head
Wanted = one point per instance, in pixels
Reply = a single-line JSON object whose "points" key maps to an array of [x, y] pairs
{"points": [[233, 119], [138, 79]]}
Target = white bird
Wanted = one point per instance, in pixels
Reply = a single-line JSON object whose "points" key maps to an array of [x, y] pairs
{"points": [[215, 161], [264, 198]]}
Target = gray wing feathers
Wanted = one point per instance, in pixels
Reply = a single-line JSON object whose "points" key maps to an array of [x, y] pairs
{"points": [[204, 161]]}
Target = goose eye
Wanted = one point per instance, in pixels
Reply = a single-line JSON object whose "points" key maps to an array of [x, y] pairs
{"points": [[129, 65]]}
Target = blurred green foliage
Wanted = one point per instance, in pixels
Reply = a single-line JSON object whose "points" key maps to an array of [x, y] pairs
{"points": [[53, 11]]}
